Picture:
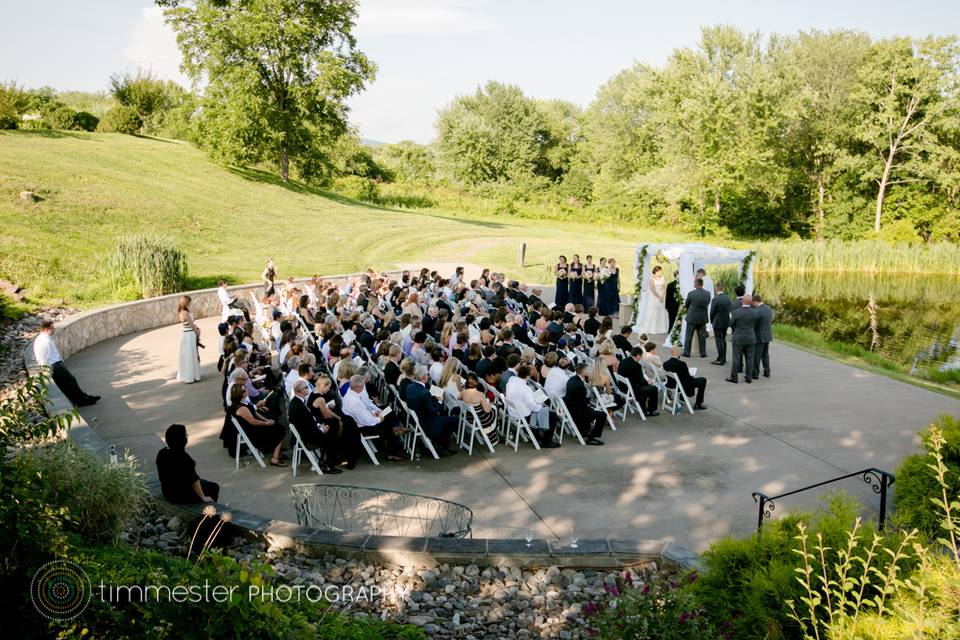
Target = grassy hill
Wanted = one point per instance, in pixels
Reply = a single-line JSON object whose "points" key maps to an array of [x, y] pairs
{"points": [[95, 187]]}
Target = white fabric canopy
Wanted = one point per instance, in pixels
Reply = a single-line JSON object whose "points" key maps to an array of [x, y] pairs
{"points": [[689, 258]]}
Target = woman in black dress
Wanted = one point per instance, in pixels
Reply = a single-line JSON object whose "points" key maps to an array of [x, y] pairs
{"points": [[178, 472], [561, 270], [613, 289], [576, 280], [603, 276], [589, 277], [265, 434]]}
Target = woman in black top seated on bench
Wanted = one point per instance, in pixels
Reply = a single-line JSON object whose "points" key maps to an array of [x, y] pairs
{"points": [[178, 472]]}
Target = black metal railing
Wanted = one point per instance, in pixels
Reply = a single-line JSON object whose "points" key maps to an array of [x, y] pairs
{"points": [[878, 479]]}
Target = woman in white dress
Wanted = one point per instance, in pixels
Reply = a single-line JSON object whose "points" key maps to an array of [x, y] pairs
{"points": [[653, 315], [189, 369]]}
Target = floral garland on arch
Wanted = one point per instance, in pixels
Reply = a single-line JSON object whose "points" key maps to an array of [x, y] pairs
{"points": [[745, 267], [638, 283], [681, 312]]}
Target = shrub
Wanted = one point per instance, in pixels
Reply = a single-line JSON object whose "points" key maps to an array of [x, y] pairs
{"points": [[152, 263], [357, 188], [650, 608], [120, 120], [101, 499], [917, 484], [61, 118], [86, 121]]}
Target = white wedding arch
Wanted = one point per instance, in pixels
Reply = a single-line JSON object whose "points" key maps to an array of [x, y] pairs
{"points": [[689, 258]]}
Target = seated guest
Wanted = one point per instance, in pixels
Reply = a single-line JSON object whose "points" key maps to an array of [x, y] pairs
{"points": [[602, 380], [473, 356], [589, 421], [650, 355], [645, 393], [513, 363], [591, 325], [488, 361], [435, 364], [606, 328], [315, 435], [437, 427], [450, 380], [522, 404], [473, 396], [293, 374], [230, 301], [406, 375], [418, 351], [369, 419], [269, 404], [178, 472], [690, 384], [555, 382], [391, 364], [263, 433], [622, 340], [570, 339]]}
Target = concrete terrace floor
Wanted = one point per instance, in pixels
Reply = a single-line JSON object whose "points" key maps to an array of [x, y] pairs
{"points": [[685, 478]]}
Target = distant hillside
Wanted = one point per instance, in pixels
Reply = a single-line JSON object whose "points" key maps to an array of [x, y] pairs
{"points": [[372, 143], [96, 187]]}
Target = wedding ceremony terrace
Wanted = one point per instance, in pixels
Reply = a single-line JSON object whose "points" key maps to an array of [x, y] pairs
{"points": [[685, 478]]}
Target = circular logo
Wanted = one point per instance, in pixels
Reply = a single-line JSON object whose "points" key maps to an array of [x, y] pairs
{"points": [[60, 590]]}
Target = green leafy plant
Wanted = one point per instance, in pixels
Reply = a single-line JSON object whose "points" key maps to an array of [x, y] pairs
{"points": [[357, 188], [61, 118], [152, 262], [120, 119], [918, 484]]}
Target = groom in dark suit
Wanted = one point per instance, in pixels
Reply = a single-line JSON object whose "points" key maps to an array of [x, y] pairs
{"points": [[670, 302], [698, 303], [720, 308]]}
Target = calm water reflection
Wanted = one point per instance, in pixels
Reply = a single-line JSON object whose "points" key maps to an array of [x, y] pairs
{"points": [[912, 320]]}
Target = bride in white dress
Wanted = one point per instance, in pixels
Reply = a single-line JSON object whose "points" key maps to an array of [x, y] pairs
{"points": [[653, 315], [189, 369]]}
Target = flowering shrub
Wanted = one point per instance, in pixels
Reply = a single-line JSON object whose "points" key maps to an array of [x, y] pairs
{"points": [[642, 607]]}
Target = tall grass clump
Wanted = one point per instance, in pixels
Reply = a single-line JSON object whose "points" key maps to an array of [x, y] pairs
{"points": [[152, 263], [872, 256]]}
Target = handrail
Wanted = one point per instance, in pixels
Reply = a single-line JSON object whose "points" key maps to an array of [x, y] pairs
{"points": [[877, 478]]}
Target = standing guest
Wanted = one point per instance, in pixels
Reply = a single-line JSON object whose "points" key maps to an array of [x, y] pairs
{"points": [[589, 281], [764, 333], [672, 302], [589, 421], [46, 353], [177, 471], [689, 384], [269, 276], [698, 304], [743, 321], [576, 280], [720, 308], [230, 301], [189, 369], [645, 393], [561, 270]]}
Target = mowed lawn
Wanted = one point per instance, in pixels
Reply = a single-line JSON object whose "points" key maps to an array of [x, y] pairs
{"points": [[96, 187]]}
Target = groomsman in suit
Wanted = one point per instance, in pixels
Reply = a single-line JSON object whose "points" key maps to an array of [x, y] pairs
{"points": [[744, 322], [670, 302], [764, 332], [698, 303], [720, 308]]}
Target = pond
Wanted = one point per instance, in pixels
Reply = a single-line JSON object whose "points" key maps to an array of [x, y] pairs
{"points": [[913, 321]]}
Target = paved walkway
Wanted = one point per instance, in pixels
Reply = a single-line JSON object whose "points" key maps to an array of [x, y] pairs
{"points": [[684, 478]]}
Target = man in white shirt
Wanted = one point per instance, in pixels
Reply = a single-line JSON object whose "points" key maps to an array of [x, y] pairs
{"points": [[555, 384], [46, 353], [522, 404], [230, 302]]}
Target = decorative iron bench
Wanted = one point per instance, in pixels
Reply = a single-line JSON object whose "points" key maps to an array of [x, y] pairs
{"points": [[350, 509]]}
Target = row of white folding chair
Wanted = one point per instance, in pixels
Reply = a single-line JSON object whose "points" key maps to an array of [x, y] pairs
{"points": [[470, 428], [412, 423], [518, 428], [244, 440], [676, 394], [603, 406], [623, 388]]}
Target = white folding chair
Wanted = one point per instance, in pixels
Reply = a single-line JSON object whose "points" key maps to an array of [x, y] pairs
{"points": [[623, 388], [416, 431], [367, 443], [652, 374], [500, 403], [242, 439], [471, 425], [299, 449], [602, 406], [675, 394], [559, 407], [517, 428]]}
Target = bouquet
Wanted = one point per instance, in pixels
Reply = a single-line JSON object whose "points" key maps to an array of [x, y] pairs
{"points": [[604, 274]]}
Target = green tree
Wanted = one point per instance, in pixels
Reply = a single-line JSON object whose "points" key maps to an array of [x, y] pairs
{"points": [[497, 134], [277, 75], [407, 161], [906, 96], [144, 93]]}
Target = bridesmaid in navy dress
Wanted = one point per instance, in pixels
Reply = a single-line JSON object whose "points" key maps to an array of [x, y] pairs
{"points": [[602, 287], [613, 289], [561, 297], [589, 278], [576, 280]]}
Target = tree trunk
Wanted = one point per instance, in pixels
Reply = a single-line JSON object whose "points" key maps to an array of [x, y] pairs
{"points": [[882, 191], [820, 193], [284, 165]]}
